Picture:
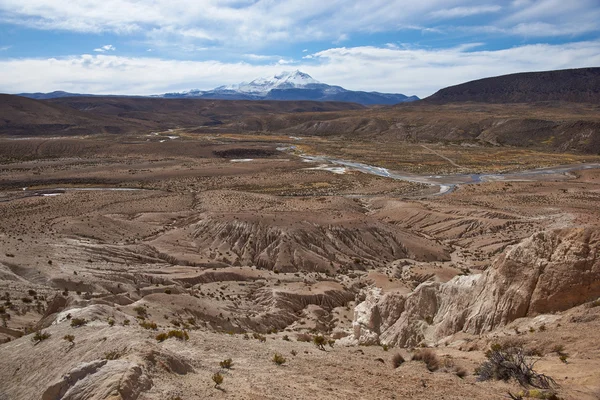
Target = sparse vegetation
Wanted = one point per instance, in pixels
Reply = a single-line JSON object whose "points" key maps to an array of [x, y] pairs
{"points": [[227, 364], [114, 354], [149, 325], [217, 379], [77, 322], [279, 359], [175, 333], [40, 336], [429, 357], [320, 342], [141, 311], [69, 338], [512, 363]]}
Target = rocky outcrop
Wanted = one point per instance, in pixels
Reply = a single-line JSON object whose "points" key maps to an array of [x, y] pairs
{"points": [[547, 272], [100, 379]]}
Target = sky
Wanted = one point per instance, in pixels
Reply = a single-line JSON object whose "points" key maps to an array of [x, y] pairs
{"points": [[414, 47]]}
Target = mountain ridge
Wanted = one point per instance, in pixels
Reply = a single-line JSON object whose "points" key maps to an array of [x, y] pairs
{"points": [[285, 86]]}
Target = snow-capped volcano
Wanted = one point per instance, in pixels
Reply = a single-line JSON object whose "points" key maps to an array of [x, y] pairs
{"points": [[284, 80], [295, 85]]}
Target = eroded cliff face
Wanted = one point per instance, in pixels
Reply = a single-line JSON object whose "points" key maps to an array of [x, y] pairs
{"points": [[548, 272]]}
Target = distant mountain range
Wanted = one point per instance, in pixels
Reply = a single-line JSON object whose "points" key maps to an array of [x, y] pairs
{"points": [[294, 85], [580, 85]]}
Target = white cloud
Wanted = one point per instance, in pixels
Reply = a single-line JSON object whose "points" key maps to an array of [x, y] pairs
{"points": [[257, 24], [105, 48], [401, 70], [4, 48], [459, 12]]}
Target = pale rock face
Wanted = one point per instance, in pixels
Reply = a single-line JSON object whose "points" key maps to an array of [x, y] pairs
{"points": [[374, 315], [547, 272], [100, 379]]}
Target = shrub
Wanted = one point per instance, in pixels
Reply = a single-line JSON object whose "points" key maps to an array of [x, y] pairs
{"points": [[563, 358], [460, 372], [111, 322], [114, 354], [69, 338], [397, 360], [319, 341], [161, 337], [141, 311], [177, 334], [126, 322], [278, 359], [148, 325], [428, 357], [294, 352], [259, 337], [217, 379], [385, 347], [77, 322], [558, 348], [168, 291], [286, 338], [511, 363], [228, 363], [40, 336]]}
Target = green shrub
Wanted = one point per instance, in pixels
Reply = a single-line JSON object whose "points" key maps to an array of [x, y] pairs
{"points": [[148, 325], [114, 354], [141, 311], [319, 341], [279, 359], [77, 322], [177, 334], [111, 322], [217, 379], [161, 337], [69, 338], [228, 363], [40, 336]]}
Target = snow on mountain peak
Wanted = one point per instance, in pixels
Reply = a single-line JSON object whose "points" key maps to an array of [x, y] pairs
{"points": [[283, 80]]}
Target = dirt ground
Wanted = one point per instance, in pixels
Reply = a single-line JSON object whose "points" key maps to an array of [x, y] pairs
{"points": [[225, 236]]}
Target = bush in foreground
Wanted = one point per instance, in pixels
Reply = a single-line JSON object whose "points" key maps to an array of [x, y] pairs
{"points": [[428, 357], [512, 363]]}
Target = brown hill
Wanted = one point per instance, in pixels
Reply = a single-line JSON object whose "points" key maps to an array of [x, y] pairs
{"points": [[23, 116], [172, 113], [572, 85], [96, 115]]}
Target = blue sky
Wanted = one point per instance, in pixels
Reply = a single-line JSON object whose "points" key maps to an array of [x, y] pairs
{"points": [[402, 46]]}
